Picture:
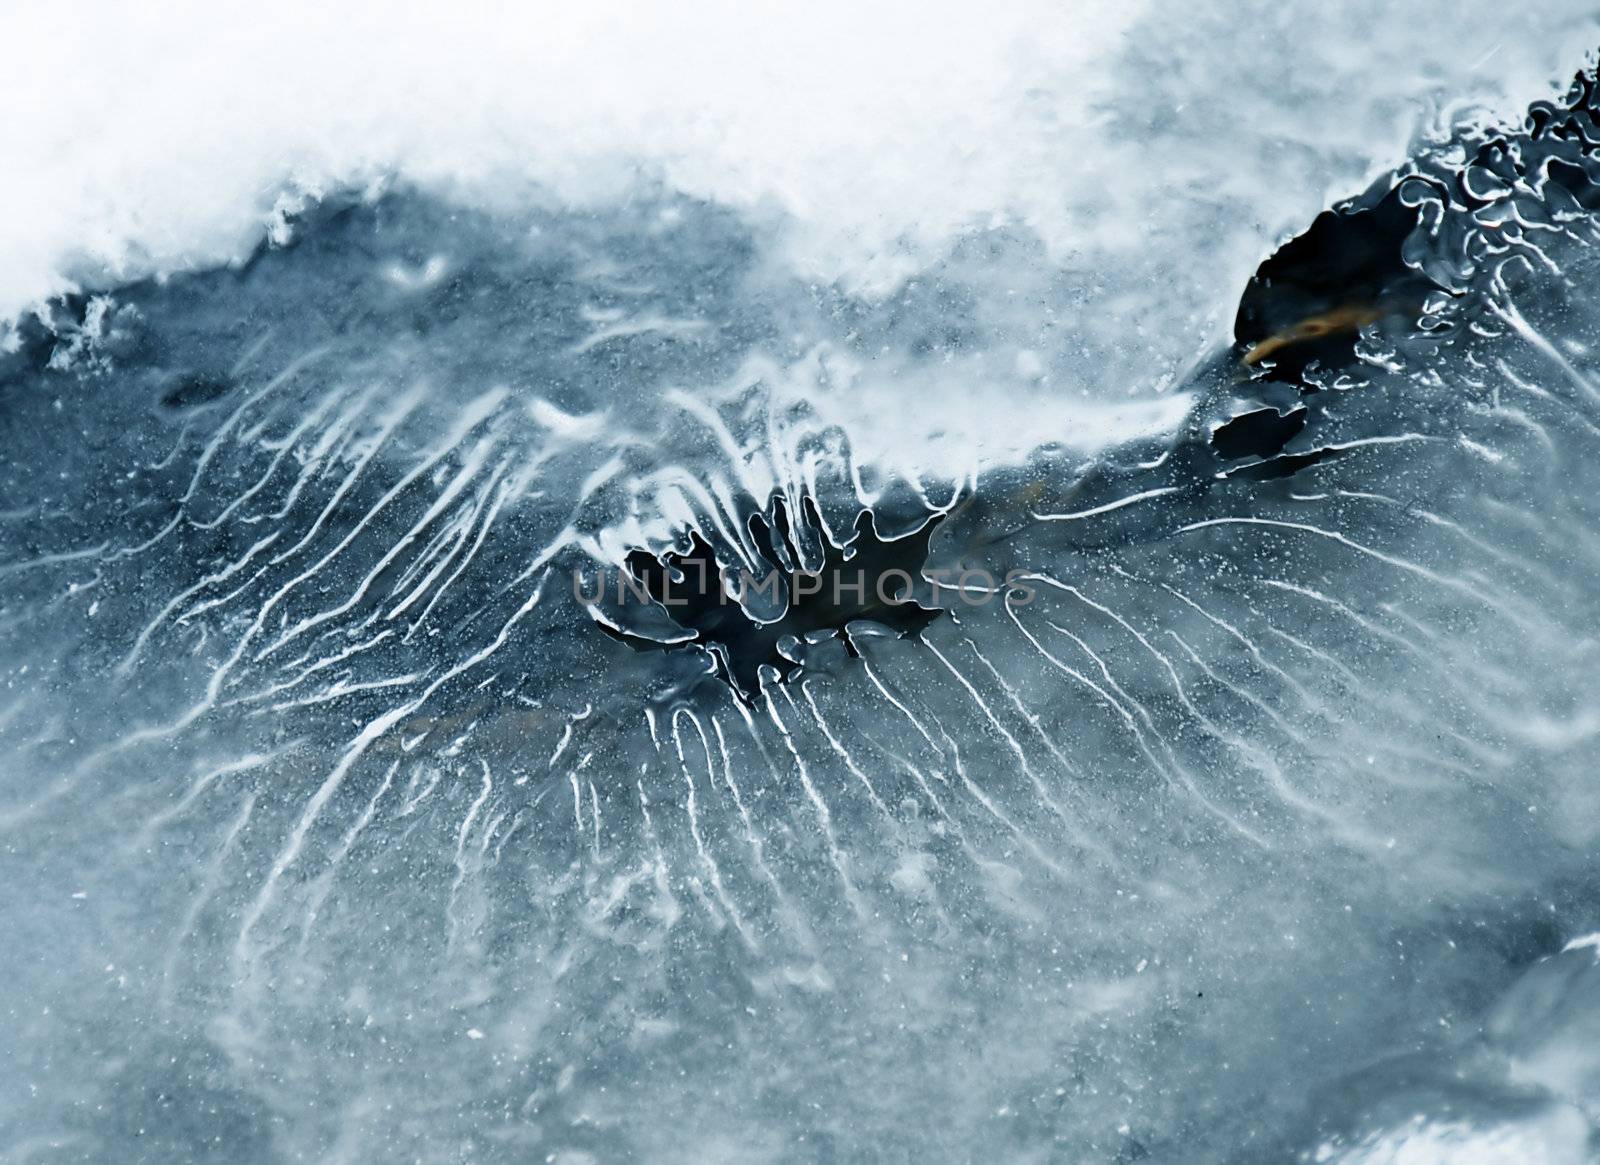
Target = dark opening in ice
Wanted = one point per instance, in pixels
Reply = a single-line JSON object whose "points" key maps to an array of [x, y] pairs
{"points": [[866, 579]]}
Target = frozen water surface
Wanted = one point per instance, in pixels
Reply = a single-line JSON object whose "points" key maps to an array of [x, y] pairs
{"points": [[1254, 820]]}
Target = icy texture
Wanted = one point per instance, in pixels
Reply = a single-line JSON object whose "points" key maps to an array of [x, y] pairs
{"points": [[1144, 145], [333, 828]]}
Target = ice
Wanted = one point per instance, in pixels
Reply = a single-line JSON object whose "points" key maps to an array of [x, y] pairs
{"points": [[1522, 1089], [1253, 820]]}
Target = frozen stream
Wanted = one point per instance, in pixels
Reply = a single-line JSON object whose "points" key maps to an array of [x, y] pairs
{"points": [[1248, 814]]}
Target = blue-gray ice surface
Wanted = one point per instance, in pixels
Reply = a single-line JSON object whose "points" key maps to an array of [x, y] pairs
{"points": [[334, 827]]}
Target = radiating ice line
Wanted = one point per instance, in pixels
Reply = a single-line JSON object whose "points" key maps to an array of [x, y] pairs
{"points": [[285, 446], [843, 753], [216, 871], [311, 669], [916, 773], [691, 807], [1263, 762], [341, 688], [371, 732], [1518, 562], [403, 407], [1571, 410], [1015, 746], [1173, 771], [223, 575], [472, 416], [504, 492], [334, 441], [414, 796], [1132, 499], [1336, 667], [594, 808], [1074, 826], [220, 674], [1312, 706], [439, 555], [181, 513], [841, 863], [11, 568], [1342, 539], [577, 802], [753, 839], [434, 556], [1508, 312], [567, 731], [661, 871], [977, 794], [1450, 676], [324, 880], [472, 463], [196, 790], [462, 834]]}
